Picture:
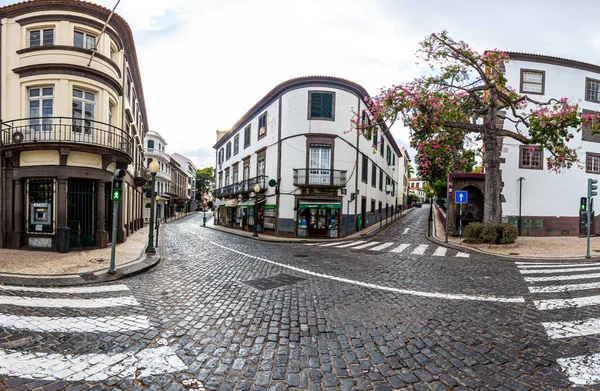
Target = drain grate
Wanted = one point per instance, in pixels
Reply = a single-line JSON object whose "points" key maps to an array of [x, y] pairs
{"points": [[98, 260], [88, 276], [513, 253], [273, 282]]}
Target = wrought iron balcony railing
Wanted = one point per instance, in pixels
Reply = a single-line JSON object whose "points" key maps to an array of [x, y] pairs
{"points": [[64, 130], [244, 186], [319, 177]]}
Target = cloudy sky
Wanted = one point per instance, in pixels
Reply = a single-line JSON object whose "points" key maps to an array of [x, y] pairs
{"points": [[204, 63]]}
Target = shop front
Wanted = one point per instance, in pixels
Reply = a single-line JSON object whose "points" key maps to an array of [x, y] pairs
{"points": [[318, 219]]}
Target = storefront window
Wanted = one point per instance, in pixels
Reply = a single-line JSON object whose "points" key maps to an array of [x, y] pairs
{"points": [[318, 220], [40, 202]]}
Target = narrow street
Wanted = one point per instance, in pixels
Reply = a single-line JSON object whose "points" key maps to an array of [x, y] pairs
{"points": [[223, 312]]}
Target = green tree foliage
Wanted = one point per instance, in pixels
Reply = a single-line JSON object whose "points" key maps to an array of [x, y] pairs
{"points": [[205, 181]]}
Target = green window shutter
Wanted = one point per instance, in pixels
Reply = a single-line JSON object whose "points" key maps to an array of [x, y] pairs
{"points": [[316, 103], [327, 106]]}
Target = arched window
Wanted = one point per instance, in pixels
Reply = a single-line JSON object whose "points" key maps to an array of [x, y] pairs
{"points": [[150, 144]]}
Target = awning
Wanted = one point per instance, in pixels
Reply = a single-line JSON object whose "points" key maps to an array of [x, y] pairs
{"points": [[319, 205], [246, 203], [231, 203]]}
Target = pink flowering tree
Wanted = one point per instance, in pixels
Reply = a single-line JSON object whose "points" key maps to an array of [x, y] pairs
{"points": [[467, 101]]}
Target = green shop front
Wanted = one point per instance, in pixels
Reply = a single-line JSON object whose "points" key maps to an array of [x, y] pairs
{"points": [[319, 219], [246, 213]]}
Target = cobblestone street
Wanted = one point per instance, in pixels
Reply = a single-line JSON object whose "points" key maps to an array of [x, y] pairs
{"points": [[222, 312]]}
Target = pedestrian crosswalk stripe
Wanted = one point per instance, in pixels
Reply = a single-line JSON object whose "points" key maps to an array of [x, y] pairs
{"points": [[351, 243], [440, 251], [462, 255], [578, 328], [557, 265], [563, 278], [420, 250], [90, 367], [400, 248], [328, 244], [550, 271], [80, 324], [369, 244], [564, 288], [555, 304], [72, 303], [582, 370], [538, 263], [382, 246], [84, 289]]}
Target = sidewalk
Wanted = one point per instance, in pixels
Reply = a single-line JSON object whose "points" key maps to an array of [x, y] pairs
{"points": [[364, 233], [527, 247], [50, 268]]}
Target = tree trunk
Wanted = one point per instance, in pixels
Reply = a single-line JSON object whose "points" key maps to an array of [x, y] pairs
{"points": [[492, 209]]}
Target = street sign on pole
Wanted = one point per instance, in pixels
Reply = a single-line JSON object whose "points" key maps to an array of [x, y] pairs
{"points": [[461, 197]]}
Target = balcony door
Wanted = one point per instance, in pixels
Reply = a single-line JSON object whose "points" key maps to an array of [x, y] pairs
{"points": [[40, 102], [83, 116], [319, 172]]}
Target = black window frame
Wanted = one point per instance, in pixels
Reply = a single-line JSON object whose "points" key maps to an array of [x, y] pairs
{"points": [[365, 169], [247, 136], [374, 176], [380, 179], [236, 144], [262, 122]]}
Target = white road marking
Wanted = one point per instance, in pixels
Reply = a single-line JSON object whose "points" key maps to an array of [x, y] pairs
{"points": [[72, 303], [85, 289], [328, 244], [80, 324], [550, 271], [555, 304], [382, 246], [352, 243], [405, 230], [420, 250], [572, 329], [557, 265], [369, 244], [462, 255], [563, 278], [564, 288], [90, 367], [582, 370], [449, 296], [400, 248], [440, 251], [538, 263]]}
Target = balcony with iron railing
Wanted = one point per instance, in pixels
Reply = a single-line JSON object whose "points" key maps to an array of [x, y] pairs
{"points": [[319, 177], [245, 186], [86, 133]]}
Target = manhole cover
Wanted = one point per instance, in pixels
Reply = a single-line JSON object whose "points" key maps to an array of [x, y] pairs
{"points": [[98, 260], [88, 276], [301, 255]]}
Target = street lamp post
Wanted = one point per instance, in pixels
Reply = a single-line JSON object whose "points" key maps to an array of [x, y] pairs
{"points": [[256, 190], [157, 221], [153, 167]]}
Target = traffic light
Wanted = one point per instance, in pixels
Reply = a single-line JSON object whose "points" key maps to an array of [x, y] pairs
{"points": [[117, 185], [352, 196], [592, 187], [583, 203]]}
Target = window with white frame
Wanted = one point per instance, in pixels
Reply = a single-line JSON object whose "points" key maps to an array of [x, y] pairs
{"points": [[319, 164], [592, 163], [532, 81], [531, 157], [84, 40], [592, 90], [83, 110], [41, 107], [40, 37]]}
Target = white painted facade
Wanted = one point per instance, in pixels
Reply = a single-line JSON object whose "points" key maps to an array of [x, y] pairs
{"points": [[154, 148], [550, 201], [190, 169], [290, 135]]}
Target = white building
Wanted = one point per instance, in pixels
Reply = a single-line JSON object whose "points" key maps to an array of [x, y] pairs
{"points": [[403, 183], [548, 202], [190, 168], [316, 178], [155, 149], [417, 186]]}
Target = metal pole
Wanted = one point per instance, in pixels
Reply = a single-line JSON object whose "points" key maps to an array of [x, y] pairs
{"points": [[447, 217], [460, 229], [520, 205], [157, 231], [150, 248], [112, 268], [588, 255], [255, 234]]}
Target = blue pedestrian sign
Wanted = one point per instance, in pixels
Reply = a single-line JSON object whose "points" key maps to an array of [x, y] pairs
{"points": [[461, 197]]}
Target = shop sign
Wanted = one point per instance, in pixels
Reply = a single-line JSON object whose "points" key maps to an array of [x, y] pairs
{"points": [[320, 206]]}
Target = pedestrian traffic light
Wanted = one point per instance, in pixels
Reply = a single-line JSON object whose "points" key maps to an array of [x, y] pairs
{"points": [[583, 203], [592, 187], [117, 185], [352, 196]]}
